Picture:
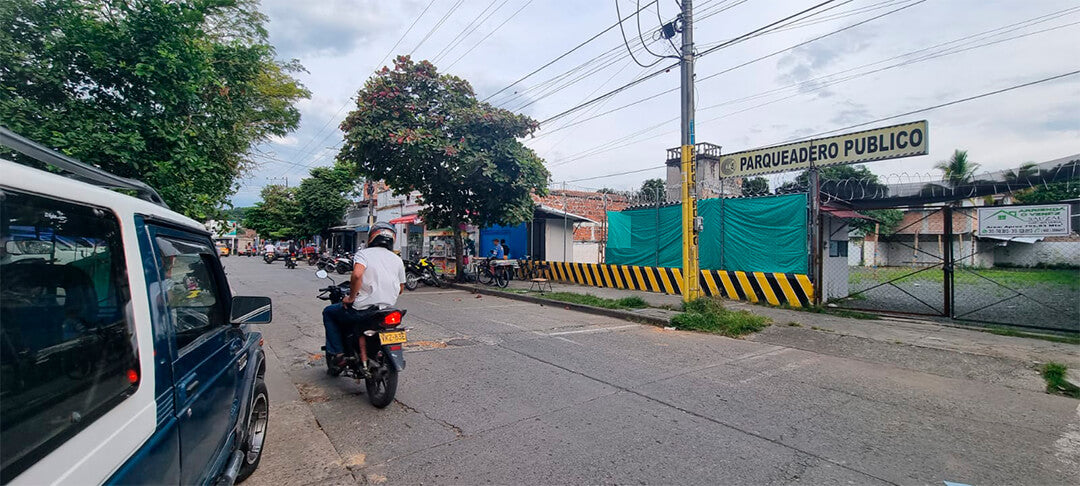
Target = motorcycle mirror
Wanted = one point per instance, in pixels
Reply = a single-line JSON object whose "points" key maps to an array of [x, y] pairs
{"points": [[321, 274]]}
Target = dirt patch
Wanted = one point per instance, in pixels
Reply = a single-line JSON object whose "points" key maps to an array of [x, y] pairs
{"points": [[311, 393], [425, 344], [355, 460]]}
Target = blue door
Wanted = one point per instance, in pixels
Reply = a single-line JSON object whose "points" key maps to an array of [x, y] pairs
{"points": [[206, 348]]}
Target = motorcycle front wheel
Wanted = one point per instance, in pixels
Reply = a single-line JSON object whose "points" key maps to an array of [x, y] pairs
{"points": [[382, 387], [501, 278], [411, 280]]}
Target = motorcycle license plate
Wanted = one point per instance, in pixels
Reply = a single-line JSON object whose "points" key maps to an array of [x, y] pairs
{"points": [[392, 337]]}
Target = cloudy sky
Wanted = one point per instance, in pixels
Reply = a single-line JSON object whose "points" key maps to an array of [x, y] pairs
{"points": [[924, 53]]}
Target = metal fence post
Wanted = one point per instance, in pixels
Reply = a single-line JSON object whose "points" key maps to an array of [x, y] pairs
{"points": [[656, 238], [947, 263]]}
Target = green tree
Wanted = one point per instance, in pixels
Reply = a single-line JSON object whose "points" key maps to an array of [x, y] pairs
{"points": [[755, 186], [322, 199], [170, 92], [417, 129], [885, 221], [652, 190], [277, 215], [1048, 193], [832, 177], [958, 169]]}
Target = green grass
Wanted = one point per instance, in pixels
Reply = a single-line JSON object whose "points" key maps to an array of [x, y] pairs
{"points": [[832, 311], [709, 315], [794, 324], [589, 299], [1001, 331], [860, 277], [1054, 374]]}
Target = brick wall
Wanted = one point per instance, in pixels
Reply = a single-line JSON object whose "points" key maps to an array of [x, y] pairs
{"points": [[588, 204]]}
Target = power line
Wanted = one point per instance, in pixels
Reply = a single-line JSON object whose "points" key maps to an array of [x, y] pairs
{"points": [[618, 15], [999, 30], [468, 30], [489, 34], [878, 120], [727, 43], [567, 53], [438, 24], [413, 24]]}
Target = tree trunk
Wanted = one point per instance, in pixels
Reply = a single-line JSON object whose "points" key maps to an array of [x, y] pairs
{"points": [[459, 251]]}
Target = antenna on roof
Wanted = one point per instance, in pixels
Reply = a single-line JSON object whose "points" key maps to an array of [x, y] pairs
{"points": [[80, 170]]}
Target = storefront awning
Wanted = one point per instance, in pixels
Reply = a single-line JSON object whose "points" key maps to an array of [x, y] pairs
{"points": [[410, 219], [346, 227]]}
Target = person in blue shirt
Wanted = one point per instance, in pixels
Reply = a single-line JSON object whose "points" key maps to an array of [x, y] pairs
{"points": [[497, 252]]}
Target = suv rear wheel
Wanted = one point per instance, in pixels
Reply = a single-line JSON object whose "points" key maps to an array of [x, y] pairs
{"points": [[257, 421]]}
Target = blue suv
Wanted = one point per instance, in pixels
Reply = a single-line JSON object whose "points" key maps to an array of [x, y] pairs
{"points": [[124, 357]]}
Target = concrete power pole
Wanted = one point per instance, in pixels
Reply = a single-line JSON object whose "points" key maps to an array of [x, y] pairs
{"points": [[691, 288]]}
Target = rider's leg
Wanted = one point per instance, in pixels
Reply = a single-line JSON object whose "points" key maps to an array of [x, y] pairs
{"points": [[331, 314]]}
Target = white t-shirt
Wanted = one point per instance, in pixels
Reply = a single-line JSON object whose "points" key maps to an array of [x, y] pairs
{"points": [[384, 272], [269, 248]]}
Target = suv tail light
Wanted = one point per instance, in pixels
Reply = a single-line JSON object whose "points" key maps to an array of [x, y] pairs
{"points": [[392, 319]]}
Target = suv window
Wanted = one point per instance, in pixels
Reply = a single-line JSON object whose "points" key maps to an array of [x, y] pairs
{"points": [[67, 343], [193, 296]]}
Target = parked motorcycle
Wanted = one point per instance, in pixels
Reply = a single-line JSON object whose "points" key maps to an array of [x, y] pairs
{"points": [[325, 262], [383, 346], [313, 258], [421, 270], [343, 264]]}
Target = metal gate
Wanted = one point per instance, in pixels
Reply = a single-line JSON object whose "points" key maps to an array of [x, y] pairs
{"points": [[907, 274], [934, 264]]}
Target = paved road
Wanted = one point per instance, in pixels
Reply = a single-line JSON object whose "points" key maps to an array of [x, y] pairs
{"points": [[500, 391]]}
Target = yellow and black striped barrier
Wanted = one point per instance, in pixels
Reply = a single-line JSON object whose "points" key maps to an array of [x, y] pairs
{"points": [[795, 290]]}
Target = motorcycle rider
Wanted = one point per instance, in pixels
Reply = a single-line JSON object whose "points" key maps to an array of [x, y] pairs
{"points": [[378, 277], [269, 248]]}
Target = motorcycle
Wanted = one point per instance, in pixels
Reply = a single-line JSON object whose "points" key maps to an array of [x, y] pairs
{"points": [[312, 258], [418, 271], [343, 264], [268, 257], [325, 262], [384, 347], [290, 261]]}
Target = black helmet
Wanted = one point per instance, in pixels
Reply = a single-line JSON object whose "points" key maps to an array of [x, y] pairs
{"points": [[381, 234]]}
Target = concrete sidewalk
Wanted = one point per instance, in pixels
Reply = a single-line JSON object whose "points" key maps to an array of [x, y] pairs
{"points": [[913, 344]]}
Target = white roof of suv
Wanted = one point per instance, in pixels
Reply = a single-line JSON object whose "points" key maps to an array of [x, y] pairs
{"points": [[18, 176]]}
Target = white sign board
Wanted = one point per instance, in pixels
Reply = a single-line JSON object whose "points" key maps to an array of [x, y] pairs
{"points": [[1043, 220], [904, 140]]}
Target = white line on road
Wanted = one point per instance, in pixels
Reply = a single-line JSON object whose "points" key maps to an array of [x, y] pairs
{"points": [[591, 331]]}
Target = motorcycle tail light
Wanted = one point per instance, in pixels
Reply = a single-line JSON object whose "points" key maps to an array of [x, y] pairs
{"points": [[392, 319]]}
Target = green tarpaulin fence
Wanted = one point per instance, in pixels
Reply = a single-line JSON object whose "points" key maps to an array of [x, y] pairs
{"points": [[765, 234]]}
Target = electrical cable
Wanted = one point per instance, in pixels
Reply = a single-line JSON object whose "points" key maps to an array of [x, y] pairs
{"points": [[413, 24], [1032, 21], [560, 56], [437, 25], [489, 34], [466, 31], [877, 120], [637, 16]]}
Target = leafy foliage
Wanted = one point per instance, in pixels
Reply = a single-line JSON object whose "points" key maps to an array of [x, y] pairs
{"points": [[1049, 193], [885, 221], [277, 215], [417, 129], [322, 200], [652, 190], [958, 169], [170, 92], [755, 186]]}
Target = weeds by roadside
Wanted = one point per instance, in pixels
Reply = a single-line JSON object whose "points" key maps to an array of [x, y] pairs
{"points": [[1001, 331], [709, 315], [1054, 374], [589, 299], [832, 311]]}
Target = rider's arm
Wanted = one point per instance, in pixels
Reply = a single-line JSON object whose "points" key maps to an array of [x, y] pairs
{"points": [[356, 280]]}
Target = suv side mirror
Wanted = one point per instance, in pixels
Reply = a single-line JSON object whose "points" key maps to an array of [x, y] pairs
{"points": [[251, 310]]}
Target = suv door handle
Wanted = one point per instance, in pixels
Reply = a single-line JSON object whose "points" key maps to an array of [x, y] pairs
{"points": [[190, 387]]}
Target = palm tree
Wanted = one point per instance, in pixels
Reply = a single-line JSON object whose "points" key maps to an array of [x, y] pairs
{"points": [[958, 169]]}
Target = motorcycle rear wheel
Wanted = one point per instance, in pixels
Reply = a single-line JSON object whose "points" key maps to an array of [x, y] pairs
{"points": [[381, 390], [501, 279], [412, 280]]}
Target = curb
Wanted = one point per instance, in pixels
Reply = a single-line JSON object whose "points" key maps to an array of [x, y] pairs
{"points": [[588, 309]]}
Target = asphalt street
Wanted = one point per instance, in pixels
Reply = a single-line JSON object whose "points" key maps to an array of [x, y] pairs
{"points": [[507, 392]]}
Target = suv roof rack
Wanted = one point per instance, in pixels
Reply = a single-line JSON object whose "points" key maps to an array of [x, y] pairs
{"points": [[77, 169]]}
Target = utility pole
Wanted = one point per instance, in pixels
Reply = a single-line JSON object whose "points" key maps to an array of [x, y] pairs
{"points": [[691, 288]]}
